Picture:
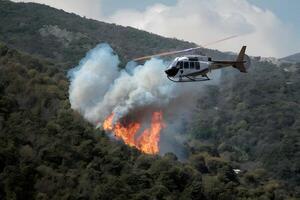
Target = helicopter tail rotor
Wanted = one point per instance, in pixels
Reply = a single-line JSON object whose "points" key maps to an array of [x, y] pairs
{"points": [[243, 61]]}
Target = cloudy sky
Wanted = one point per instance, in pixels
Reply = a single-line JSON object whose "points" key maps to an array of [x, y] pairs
{"points": [[268, 28]]}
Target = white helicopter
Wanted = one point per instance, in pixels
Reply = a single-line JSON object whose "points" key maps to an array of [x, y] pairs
{"points": [[191, 68]]}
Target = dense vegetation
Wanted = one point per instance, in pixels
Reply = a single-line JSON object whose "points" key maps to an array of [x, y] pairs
{"points": [[47, 151], [254, 120]]}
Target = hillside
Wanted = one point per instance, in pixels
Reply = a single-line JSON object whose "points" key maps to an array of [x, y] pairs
{"points": [[255, 120], [48, 151], [292, 58], [55, 34]]}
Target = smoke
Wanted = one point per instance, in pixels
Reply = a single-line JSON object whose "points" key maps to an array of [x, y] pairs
{"points": [[98, 88], [91, 80]]}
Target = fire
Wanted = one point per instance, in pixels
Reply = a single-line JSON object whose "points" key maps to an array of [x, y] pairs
{"points": [[127, 133], [147, 141], [108, 122]]}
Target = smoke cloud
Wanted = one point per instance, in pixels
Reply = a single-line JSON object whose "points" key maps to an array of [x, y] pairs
{"points": [[98, 88]]}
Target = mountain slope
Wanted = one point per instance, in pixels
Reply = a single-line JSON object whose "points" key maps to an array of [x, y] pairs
{"points": [[47, 151], [292, 58], [64, 37], [51, 33], [254, 120]]}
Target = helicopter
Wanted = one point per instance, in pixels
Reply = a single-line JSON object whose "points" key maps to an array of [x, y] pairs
{"points": [[194, 67]]}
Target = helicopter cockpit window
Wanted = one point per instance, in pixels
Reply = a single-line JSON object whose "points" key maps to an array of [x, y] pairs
{"points": [[197, 65], [180, 64], [186, 65], [192, 65]]}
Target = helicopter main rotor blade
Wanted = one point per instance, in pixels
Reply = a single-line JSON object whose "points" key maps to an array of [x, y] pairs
{"points": [[166, 53], [221, 40], [184, 50]]}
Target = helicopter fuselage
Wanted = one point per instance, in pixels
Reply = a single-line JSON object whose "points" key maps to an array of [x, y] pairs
{"points": [[189, 66]]}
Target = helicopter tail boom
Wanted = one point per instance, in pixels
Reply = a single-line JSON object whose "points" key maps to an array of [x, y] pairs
{"points": [[242, 63]]}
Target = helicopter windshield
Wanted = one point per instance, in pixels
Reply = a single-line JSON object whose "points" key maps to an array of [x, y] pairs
{"points": [[173, 64]]}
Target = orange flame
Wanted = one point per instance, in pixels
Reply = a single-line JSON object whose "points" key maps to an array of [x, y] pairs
{"points": [[147, 141], [108, 122]]}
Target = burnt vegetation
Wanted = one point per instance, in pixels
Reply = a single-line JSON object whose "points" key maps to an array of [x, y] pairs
{"points": [[48, 151]]}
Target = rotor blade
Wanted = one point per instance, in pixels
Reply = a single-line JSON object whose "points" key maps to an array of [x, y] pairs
{"points": [[217, 41], [184, 50], [165, 53]]}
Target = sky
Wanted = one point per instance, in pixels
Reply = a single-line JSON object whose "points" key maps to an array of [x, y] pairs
{"points": [[268, 28]]}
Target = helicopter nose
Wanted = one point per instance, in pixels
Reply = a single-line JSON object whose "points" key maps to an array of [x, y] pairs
{"points": [[172, 71]]}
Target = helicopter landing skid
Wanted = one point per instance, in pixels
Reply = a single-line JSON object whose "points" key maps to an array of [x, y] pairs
{"points": [[188, 79]]}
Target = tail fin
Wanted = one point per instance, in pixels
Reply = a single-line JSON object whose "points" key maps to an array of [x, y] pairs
{"points": [[240, 61]]}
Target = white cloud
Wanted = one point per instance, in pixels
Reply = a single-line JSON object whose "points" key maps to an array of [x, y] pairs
{"points": [[204, 21]]}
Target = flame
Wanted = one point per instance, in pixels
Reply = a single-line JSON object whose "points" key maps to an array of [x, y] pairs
{"points": [[147, 141], [108, 122], [127, 133]]}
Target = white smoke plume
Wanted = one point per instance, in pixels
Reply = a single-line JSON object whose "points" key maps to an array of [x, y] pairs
{"points": [[98, 88]]}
